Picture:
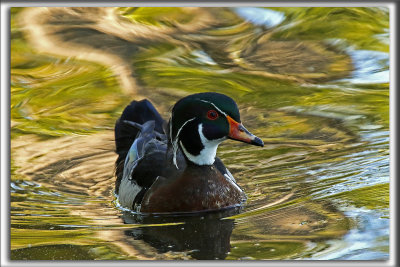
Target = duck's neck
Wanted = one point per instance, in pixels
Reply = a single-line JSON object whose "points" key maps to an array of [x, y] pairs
{"points": [[197, 148]]}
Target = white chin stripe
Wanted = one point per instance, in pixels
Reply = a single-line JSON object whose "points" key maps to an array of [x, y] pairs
{"points": [[208, 153]]}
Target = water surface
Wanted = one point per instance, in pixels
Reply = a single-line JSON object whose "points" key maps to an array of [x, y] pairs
{"points": [[313, 83]]}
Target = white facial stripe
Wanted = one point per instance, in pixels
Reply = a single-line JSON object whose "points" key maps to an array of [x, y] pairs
{"points": [[214, 107], [208, 153], [175, 141], [170, 128]]}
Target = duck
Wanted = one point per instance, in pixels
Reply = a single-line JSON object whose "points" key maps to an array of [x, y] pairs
{"points": [[171, 166]]}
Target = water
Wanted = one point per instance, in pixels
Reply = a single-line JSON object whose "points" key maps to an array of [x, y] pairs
{"points": [[311, 82]]}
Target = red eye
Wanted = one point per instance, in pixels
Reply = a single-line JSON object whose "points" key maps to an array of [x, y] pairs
{"points": [[212, 114]]}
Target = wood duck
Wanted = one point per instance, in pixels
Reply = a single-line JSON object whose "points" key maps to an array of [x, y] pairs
{"points": [[172, 167]]}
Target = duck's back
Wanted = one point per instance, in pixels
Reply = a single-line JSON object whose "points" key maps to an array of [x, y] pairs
{"points": [[125, 134], [142, 151], [142, 167]]}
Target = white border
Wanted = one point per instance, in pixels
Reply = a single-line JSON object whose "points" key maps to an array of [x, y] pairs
{"points": [[5, 123], [5, 154], [393, 131], [206, 3]]}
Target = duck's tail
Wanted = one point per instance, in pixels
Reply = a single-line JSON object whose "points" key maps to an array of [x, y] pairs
{"points": [[125, 134]]}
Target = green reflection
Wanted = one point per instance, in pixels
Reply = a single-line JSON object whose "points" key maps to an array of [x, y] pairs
{"points": [[265, 250], [53, 96], [374, 197], [362, 27], [283, 79], [156, 15]]}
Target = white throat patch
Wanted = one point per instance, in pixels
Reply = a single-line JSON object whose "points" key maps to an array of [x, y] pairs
{"points": [[208, 153]]}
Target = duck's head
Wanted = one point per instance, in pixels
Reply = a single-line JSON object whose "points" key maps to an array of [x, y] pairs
{"points": [[200, 122]]}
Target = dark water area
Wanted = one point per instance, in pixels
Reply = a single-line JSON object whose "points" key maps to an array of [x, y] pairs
{"points": [[313, 83]]}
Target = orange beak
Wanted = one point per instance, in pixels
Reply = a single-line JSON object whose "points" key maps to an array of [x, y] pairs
{"points": [[238, 132]]}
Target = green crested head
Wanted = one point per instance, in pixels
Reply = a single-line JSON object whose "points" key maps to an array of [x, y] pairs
{"points": [[209, 108], [199, 122]]}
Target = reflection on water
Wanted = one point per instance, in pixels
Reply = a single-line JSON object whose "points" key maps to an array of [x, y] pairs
{"points": [[311, 82], [370, 66], [261, 16], [203, 236]]}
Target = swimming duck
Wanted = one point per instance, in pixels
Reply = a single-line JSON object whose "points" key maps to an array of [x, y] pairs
{"points": [[172, 167]]}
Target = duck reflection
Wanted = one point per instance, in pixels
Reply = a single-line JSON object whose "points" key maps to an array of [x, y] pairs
{"points": [[204, 236]]}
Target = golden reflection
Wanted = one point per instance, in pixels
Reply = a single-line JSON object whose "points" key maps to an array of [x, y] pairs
{"points": [[325, 142]]}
